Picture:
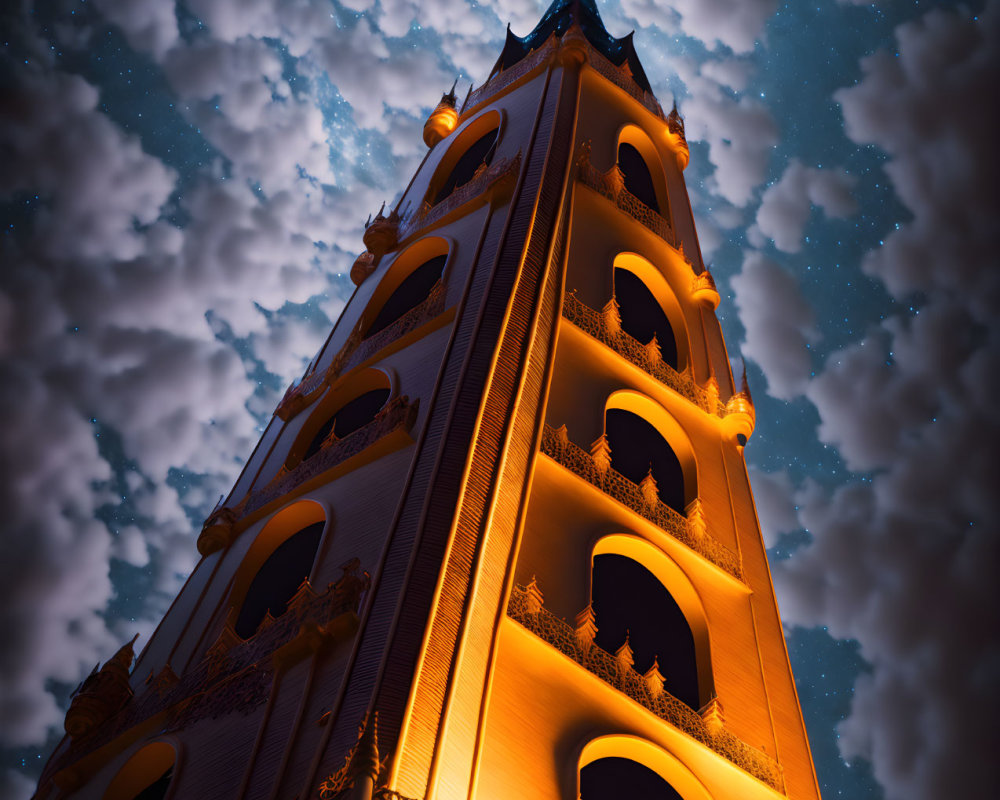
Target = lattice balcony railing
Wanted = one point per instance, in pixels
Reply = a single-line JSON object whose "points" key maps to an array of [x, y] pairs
{"points": [[647, 358], [622, 78], [526, 608], [356, 350], [611, 184], [690, 530], [398, 413], [504, 79], [234, 675], [503, 169]]}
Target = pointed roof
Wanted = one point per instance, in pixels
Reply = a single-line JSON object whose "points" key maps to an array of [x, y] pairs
{"points": [[558, 19]]}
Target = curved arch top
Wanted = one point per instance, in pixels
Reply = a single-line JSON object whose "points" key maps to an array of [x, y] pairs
{"points": [[667, 426], [661, 761], [641, 141], [675, 581], [468, 134], [281, 527], [349, 387], [150, 766], [665, 289]]}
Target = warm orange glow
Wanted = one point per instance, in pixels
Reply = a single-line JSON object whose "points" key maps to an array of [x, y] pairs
{"points": [[442, 121], [280, 527], [141, 771]]}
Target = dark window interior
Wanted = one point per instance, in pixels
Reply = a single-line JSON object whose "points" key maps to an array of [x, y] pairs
{"points": [[481, 152], [158, 789], [635, 445], [627, 596], [278, 579], [409, 294], [642, 316], [614, 778], [359, 411], [637, 178]]}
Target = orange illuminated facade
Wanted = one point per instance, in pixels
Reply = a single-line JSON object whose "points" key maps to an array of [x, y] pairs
{"points": [[498, 541]]}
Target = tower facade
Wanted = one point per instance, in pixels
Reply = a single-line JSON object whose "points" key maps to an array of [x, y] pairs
{"points": [[499, 540]]}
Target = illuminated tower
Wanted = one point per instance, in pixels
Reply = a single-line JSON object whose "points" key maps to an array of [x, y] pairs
{"points": [[499, 541]]}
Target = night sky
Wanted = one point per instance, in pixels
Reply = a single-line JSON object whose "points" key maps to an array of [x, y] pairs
{"points": [[183, 190]]}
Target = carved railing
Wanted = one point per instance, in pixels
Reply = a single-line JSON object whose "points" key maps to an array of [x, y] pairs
{"points": [[526, 608], [622, 78], [504, 169], [234, 674], [690, 530], [398, 413], [610, 184], [504, 79], [356, 350], [619, 76], [647, 358]]}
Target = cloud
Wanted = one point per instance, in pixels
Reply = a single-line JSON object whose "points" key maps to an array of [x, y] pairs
{"points": [[148, 27], [779, 323], [773, 495], [737, 24], [905, 562], [740, 135], [785, 206]]}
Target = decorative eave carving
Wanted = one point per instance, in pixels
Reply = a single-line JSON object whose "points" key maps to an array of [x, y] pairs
{"points": [[382, 233], [704, 291], [707, 727], [677, 138], [217, 531], [102, 695], [364, 265], [442, 120], [740, 416]]}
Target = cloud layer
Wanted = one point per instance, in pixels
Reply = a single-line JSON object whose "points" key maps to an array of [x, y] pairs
{"points": [[140, 293], [906, 563]]}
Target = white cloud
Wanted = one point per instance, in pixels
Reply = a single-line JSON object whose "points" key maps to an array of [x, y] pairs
{"points": [[779, 324], [773, 495], [906, 563], [786, 206], [148, 27], [737, 24]]}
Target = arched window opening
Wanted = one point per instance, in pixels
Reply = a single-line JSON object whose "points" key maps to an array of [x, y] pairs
{"points": [[638, 181], [636, 446], [278, 579], [146, 775], [642, 316], [481, 152], [614, 777], [409, 294], [627, 597], [348, 418]]}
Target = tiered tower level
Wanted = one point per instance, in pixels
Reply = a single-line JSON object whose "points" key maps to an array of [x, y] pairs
{"points": [[499, 541]]}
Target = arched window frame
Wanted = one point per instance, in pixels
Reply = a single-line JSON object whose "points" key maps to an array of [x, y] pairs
{"points": [[336, 397], [122, 784], [405, 263], [666, 295], [675, 581], [650, 755], [641, 141], [281, 527], [463, 138], [666, 425]]}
